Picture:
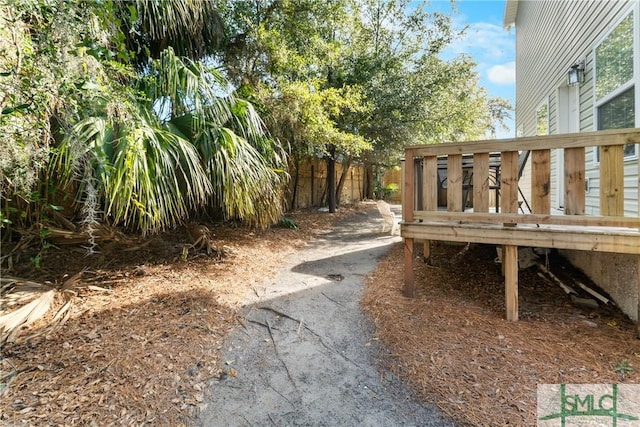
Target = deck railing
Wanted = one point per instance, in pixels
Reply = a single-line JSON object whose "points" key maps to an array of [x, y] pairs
{"points": [[509, 225], [611, 177]]}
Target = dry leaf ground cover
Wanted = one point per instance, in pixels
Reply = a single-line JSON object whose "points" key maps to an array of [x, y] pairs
{"points": [[142, 351], [453, 346]]}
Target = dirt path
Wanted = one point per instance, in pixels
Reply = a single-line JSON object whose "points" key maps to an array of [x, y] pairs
{"points": [[306, 355]]}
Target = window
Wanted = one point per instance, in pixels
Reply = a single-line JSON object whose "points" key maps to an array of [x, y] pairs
{"points": [[614, 58], [614, 89], [619, 113], [542, 120]]}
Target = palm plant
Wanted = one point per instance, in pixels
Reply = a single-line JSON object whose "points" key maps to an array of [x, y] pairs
{"points": [[176, 150], [147, 176], [193, 28], [244, 164], [145, 148]]}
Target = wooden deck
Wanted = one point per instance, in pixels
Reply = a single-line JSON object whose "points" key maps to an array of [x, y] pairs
{"points": [[609, 232]]}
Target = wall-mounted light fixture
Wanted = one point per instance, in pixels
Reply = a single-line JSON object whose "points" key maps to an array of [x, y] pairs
{"points": [[575, 75]]}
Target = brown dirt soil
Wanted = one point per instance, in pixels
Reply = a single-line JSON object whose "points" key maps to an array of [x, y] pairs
{"points": [[454, 347], [142, 351]]}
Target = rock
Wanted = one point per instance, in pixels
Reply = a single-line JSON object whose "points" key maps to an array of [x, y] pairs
{"points": [[590, 324]]}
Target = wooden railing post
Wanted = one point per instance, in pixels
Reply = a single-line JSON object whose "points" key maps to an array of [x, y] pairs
{"points": [[574, 189], [430, 183], [509, 187], [612, 180], [454, 183], [429, 194], [510, 261], [541, 181], [509, 181], [481, 182], [408, 197]]}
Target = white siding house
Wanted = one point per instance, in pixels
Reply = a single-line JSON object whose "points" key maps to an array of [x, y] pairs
{"points": [[602, 39]]}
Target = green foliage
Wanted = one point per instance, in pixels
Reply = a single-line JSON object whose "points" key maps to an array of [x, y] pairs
{"points": [[176, 152], [28, 85], [118, 104], [308, 116], [288, 223], [291, 39], [415, 96], [192, 28], [614, 58], [52, 71], [380, 57], [386, 192], [35, 260], [4, 221], [142, 136], [286, 53], [623, 368]]}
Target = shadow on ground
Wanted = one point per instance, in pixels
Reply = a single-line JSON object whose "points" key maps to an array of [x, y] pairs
{"points": [[306, 354]]}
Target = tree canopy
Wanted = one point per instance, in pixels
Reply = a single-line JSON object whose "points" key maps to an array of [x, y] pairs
{"points": [[143, 113], [385, 51]]}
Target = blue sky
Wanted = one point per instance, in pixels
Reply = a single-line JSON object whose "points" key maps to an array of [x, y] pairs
{"points": [[488, 43]]}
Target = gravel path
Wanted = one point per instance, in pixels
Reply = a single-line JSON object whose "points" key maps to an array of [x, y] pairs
{"points": [[306, 356]]}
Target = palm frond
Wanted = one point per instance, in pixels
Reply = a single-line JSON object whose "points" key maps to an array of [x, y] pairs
{"points": [[35, 301], [88, 140], [40, 299], [157, 178], [17, 291], [249, 125], [244, 185], [180, 86], [191, 27]]}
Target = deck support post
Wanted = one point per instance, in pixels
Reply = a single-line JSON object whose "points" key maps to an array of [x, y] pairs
{"points": [[510, 262], [409, 282], [638, 305], [426, 251], [408, 205]]}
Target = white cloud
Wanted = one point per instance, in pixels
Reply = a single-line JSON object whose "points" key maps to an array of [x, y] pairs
{"points": [[493, 41], [484, 41], [504, 74]]}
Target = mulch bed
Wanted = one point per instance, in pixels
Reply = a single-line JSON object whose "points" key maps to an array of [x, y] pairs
{"points": [[453, 346], [142, 351]]}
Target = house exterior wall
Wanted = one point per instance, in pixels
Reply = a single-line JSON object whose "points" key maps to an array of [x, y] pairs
{"points": [[617, 274], [551, 36]]}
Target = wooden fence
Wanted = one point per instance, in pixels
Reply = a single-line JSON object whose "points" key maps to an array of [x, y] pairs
{"points": [[312, 184]]}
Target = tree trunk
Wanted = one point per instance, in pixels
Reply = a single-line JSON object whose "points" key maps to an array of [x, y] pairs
{"points": [[296, 179], [331, 179], [368, 179], [343, 178]]}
